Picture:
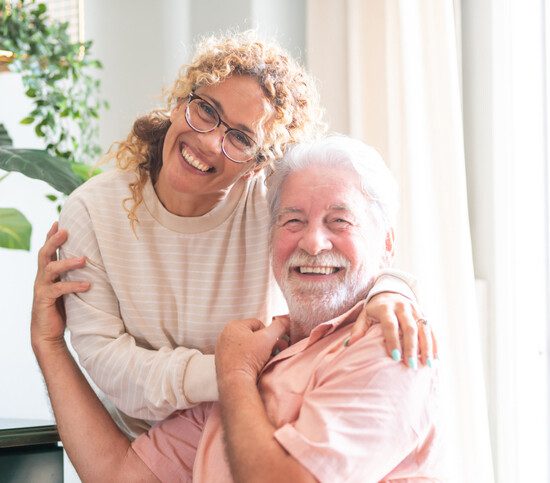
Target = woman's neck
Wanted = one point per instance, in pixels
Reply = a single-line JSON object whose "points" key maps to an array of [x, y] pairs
{"points": [[187, 205]]}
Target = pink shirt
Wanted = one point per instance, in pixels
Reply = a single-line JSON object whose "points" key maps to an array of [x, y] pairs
{"points": [[346, 413]]}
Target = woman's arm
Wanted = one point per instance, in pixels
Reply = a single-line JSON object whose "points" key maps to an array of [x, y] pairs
{"points": [[142, 383], [97, 448]]}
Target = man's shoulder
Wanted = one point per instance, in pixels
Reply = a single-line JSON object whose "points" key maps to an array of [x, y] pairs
{"points": [[368, 360]]}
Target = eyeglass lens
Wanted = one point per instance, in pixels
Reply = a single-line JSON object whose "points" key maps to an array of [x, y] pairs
{"points": [[204, 118]]}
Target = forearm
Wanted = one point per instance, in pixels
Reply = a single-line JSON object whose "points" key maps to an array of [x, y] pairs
{"points": [[96, 447], [249, 437], [394, 281]]}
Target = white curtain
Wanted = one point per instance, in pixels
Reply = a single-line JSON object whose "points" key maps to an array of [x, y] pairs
{"points": [[390, 74]]}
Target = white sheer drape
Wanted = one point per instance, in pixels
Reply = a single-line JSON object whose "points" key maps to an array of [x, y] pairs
{"points": [[389, 74]]}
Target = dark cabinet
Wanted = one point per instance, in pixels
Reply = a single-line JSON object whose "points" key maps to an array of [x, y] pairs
{"points": [[29, 452]]}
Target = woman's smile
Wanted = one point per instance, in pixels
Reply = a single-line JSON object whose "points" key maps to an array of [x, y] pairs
{"points": [[189, 159]]}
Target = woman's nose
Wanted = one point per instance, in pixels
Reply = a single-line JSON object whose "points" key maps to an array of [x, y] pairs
{"points": [[315, 239], [211, 142]]}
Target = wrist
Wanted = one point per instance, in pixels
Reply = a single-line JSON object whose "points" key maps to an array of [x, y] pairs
{"points": [[228, 381], [45, 347]]}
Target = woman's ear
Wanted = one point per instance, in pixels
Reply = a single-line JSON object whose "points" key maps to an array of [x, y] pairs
{"points": [[252, 171], [175, 111]]}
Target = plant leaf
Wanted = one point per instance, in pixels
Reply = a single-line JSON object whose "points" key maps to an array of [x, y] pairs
{"points": [[15, 230], [27, 120], [38, 164], [5, 139], [84, 171]]}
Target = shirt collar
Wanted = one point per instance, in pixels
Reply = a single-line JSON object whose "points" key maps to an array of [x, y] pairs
{"points": [[322, 330]]}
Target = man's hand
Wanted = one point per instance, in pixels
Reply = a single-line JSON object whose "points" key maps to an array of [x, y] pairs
{"points": [[245, 346], [48, 315]]}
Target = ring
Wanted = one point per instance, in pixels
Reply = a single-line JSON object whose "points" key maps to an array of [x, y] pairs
{"points": [[424, 322]]}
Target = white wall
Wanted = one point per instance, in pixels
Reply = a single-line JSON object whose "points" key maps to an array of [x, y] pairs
{"points": [[141, 43]]}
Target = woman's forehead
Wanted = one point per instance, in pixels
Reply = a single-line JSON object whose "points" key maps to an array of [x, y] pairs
{"points": [[239, 100]]}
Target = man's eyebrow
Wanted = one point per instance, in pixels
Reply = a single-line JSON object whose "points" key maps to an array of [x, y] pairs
{"points": [[340, 207], [289, 210], [219, 108]]}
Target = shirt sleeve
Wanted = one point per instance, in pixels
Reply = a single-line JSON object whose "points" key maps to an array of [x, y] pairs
{"points": [[143, 383], [395, 281], [365, 414], [169, 448]]}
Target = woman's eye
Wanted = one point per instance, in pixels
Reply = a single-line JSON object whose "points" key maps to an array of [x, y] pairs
{"points": [[207, 110], [243, 139], [239, 139]]}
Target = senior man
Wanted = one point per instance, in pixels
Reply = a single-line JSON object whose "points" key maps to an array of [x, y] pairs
{"points": [[319, 409]]}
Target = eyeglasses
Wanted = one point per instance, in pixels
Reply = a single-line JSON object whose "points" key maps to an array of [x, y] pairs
{"points": [[203, 117]]}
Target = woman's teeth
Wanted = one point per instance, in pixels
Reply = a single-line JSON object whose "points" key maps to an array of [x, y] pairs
{"points": [[320, 270], [194, 161]]}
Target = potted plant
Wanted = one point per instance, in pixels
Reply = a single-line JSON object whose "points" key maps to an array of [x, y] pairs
{"points": [[58, 76]]}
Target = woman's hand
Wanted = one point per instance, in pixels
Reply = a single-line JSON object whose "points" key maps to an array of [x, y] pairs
{"points": [[397, 314], [48, 314]]}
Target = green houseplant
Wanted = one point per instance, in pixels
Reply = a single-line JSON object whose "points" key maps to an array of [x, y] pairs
{"points": [[57, 75]]}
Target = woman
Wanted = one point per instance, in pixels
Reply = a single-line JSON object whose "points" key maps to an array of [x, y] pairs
{"points": [[174, 242]]}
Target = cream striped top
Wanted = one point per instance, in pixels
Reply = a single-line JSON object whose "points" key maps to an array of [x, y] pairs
{"points": [[146, 330]]}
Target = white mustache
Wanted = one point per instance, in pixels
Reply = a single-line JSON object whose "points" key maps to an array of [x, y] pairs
{"points": [[326, 259]]}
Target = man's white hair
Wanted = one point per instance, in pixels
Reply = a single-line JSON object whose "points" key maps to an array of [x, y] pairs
{"points": [[340, 152]]}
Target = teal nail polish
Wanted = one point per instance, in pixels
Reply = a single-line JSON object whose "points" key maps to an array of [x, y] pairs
{"points": [[346, 342], [276, 351], [429, 362], [396, 355], [413, 364]]}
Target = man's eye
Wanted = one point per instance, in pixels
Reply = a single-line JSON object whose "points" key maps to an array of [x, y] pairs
{"points": [[340, 222], [293, 223]]}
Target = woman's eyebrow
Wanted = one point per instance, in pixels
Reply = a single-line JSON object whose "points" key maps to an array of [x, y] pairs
{"points": [[219, 108]]}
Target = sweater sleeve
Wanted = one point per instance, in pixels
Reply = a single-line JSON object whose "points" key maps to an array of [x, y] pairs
{"points": [[141, 382], [395, 281]]}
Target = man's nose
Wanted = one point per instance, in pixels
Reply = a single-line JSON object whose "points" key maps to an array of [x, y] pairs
{"points": [[315, 239]]}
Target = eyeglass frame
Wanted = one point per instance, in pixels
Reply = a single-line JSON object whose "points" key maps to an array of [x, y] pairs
{"points": [[192, 96]]}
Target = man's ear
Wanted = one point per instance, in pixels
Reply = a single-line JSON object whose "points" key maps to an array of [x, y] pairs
{"points": [[390, 238]]}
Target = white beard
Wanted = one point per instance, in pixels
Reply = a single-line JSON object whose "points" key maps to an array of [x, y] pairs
{"points": [[312, 303]]}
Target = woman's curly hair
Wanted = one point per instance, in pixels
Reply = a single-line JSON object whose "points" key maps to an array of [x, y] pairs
{"points": [[295, 114]]}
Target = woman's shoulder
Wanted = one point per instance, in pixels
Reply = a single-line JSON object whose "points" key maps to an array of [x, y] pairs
{"points": [[104, 186]]}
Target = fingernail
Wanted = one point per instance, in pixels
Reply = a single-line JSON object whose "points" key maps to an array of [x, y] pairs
{"points": [[276, 351], [429, 362], [346, 342], [413, 364], [396, 355]]}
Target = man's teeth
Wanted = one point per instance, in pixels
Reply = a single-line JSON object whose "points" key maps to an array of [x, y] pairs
{"points": [[320, 270], [194, 161]]}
